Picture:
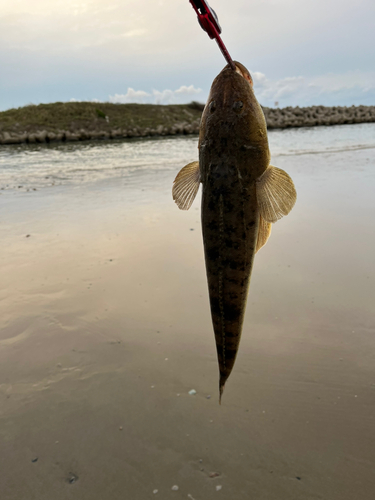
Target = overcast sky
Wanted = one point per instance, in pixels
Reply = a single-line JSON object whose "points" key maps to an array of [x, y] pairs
{"points": [[300, 52]]}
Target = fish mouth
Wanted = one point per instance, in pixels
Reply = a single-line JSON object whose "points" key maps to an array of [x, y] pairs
{"points": [[244, 72]]}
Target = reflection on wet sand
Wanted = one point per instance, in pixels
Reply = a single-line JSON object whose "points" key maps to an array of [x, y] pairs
{"points": [[106, 328]]}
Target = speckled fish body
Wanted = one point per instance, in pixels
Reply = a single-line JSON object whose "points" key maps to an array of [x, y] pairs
{"points": [[242, 195], [233, 154]]}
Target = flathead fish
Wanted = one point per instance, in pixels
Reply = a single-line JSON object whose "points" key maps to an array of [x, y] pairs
{"points": [[242, 196]]}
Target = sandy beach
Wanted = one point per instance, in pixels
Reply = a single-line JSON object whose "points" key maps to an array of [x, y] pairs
{"points": [[105, 328]]}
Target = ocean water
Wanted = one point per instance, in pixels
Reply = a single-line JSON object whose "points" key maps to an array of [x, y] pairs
{"points": [[138, 161]]}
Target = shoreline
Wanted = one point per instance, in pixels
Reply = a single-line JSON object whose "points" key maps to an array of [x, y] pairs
{"points": [[69, 122]]}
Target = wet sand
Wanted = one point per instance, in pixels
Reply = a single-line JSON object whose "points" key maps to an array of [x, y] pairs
{"points": [[105, 328]]}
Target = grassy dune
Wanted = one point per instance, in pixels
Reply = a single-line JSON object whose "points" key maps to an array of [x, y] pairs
{"points": [[92, 116], [74, 121]]}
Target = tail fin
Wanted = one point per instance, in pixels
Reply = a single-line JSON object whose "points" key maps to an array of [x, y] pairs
{"points": [[221, 387]]}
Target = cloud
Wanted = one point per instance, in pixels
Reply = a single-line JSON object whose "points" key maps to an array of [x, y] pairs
{"points": [[73, 99], [50, 50], [330, 90], [131, 95], [181, 95], [191, 90], [137, 32]]}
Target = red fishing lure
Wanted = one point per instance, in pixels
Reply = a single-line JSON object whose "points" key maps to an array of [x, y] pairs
{"points": [[209, 22]]}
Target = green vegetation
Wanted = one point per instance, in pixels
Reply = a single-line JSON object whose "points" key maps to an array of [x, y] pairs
{"points": [[90, 116], [100, 113], [79, 121]]}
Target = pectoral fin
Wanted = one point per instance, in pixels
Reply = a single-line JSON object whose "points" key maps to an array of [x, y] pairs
{"points": [[186, 185], [276, 194], [263, 233]]}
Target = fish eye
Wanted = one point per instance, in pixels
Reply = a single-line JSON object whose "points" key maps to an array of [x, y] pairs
{"points": [[212, 106], [238, 105]]}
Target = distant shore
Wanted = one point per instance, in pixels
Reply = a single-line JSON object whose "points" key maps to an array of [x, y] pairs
{"points": [[79, 121]]}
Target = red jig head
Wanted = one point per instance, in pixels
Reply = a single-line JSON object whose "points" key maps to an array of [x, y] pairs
{"points": [[209, 22]]}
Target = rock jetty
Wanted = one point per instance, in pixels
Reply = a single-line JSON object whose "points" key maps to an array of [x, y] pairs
{"points": [[93, 121], [317, 115], [40, 136]]}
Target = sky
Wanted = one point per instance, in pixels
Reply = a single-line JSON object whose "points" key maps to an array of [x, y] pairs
{"points": [[299, 52]]}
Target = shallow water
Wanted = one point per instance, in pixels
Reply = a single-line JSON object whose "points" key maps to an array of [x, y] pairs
{"points": [[37, 166], [105, 327]]}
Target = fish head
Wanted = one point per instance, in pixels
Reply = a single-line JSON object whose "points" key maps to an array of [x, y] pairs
{"points": [[233, 121]]}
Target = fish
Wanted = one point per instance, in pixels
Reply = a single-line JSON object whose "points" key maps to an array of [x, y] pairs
{"points": [[242, 196]]}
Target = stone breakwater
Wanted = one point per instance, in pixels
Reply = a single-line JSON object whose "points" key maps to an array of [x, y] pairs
{"points": [[41, 136], [318, 115], [276, 119]]}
